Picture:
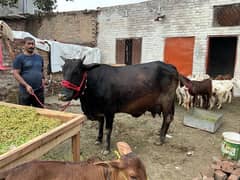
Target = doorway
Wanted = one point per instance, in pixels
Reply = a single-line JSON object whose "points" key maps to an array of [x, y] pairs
{"points": [[221, 56]]}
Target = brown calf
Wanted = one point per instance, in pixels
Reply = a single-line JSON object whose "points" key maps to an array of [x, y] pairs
{"points": [[128, 167], [195, 88]]}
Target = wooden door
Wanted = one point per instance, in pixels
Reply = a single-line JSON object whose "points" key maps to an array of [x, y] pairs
{"points": [[120, 51], [128, 51], [136, 50], [179, 52]]}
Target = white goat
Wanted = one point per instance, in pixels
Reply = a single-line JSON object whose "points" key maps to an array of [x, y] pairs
{"points": [[222, 92]]}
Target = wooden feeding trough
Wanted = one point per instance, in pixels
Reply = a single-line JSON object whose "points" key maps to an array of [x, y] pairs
{"points": [[203, 119], [35, 148]]}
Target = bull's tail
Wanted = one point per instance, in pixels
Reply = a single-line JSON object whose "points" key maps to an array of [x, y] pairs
{"points": [[184, 81]]}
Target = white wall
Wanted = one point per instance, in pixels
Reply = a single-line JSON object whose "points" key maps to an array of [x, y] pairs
{"points": [[182, 18], [23, 7], [26, 6]]}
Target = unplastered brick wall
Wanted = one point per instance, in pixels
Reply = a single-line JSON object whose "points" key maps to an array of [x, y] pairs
{"points": [[16, 46], [78, 27], [9, 86], [185, 18], [16, 24], [7, 80]]}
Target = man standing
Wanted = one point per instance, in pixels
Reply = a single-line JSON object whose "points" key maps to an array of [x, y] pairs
{"points": [[28, 71]]}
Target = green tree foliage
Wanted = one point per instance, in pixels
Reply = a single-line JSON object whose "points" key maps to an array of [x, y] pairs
{"points": [[8, 2], [44, 5]]}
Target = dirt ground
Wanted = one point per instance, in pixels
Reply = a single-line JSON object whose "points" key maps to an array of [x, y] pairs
{"points": [[170, 161]]}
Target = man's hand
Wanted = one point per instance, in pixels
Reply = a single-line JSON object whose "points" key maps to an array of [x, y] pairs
{"points": [[44, 83], [29, 89]]}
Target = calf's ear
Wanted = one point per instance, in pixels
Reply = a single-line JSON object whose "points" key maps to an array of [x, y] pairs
{"points": [[115, 164], [102, 163], [118, 164], [123, 148]]}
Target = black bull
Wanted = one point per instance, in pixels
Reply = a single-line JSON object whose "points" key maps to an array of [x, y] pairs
{"points": [[105, 90]]}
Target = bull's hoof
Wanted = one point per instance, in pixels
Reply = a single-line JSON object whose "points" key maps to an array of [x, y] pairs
{"points": [[97, 142], [158, 143], [105, 152]]}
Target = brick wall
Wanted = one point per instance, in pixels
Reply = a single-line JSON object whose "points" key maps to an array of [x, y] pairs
{"points": [[16, 24], [182, 18], [77, 27], [8, 85]]}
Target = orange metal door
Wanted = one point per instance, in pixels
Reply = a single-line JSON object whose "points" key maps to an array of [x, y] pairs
{"points": [[179, 52]]}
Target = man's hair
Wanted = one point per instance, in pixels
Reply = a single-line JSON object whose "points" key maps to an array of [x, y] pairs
{"points": [[28, 39]]}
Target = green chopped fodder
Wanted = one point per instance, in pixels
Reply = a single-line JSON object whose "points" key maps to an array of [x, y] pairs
{"points": [[17, 126]]}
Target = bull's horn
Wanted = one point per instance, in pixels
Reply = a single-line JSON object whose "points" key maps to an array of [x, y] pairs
{"points": [[63, 58], [83, 58]]}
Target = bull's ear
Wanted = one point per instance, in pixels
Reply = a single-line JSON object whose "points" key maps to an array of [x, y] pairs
{"points": [[63, 58], [123, 148], [80, 64], [88, 67], [82, 60]]}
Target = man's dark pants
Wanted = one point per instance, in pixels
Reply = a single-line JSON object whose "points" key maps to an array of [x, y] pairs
{"points": [[29, 100]]}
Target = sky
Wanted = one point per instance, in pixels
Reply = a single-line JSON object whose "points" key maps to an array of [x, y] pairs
{"points": [[63, 5]]}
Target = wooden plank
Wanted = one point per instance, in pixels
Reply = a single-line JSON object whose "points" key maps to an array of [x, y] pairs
{"points": [[45, 112], [40, 140], [38, 152], [44, 138], [65, 116], [117, 65], [76, 147]]}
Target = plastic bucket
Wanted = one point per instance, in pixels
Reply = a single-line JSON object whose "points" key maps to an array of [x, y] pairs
{"points": [[231, 145]]}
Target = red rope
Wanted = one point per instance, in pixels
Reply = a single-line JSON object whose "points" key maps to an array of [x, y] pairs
{"points": [[64, 107], [38, 100], [72, 86], [68, 85]]}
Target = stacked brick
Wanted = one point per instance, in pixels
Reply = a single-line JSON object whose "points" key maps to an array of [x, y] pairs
{"points": [[221, 170]]}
